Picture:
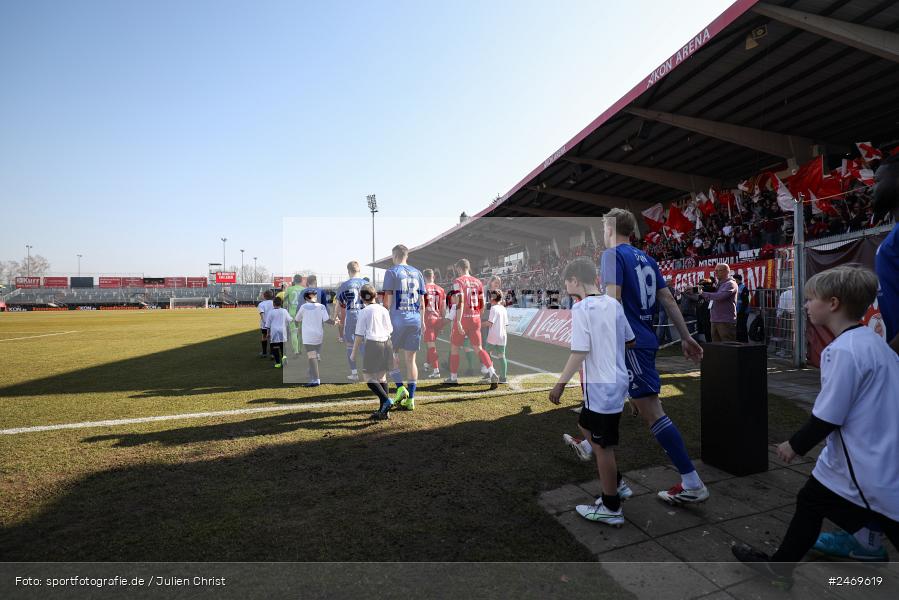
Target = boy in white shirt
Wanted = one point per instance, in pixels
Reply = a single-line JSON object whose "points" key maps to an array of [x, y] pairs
{"points": [[599, 334], [264, 308], [277, 323], [373, 330], [856, 476], [313, 316], [498, 319]]}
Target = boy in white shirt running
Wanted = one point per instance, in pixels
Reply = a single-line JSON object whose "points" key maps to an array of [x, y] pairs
{"points": [[856, 477], [277, 323], [313, 316], [599, 334]]}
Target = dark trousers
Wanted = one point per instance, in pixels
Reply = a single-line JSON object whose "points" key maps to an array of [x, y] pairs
{"points": [[816, 503], [742, 330]]}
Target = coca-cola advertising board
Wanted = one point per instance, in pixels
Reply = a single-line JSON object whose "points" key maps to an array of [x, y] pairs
{"points": [[551, 326]]}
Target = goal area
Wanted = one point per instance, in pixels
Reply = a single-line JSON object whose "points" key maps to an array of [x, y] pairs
{"points": [[195, 302]]}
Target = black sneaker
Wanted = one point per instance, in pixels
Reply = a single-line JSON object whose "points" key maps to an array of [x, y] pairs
{"points": [[494, 382], [379, 416], [450, 381], [760, 562]]}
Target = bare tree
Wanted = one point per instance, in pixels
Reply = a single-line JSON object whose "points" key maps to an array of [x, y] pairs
{"points": [[36, 266], [8, 271], [261, 275]]}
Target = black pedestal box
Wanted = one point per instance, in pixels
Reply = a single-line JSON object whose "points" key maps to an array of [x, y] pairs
{"points": [[734, 407]]}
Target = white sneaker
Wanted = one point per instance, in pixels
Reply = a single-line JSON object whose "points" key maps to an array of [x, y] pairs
{"points": [[575, 444], [680, 495], [353, 377], [598, 513]]}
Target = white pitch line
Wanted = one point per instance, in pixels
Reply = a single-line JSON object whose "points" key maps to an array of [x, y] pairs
{"points": [[31, 337], [247, 411]]}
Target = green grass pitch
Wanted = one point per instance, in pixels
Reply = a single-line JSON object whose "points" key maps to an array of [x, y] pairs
{"points": [[457, 479]]}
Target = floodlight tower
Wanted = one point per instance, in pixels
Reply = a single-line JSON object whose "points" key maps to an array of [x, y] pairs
{"points": [[373, 207]]}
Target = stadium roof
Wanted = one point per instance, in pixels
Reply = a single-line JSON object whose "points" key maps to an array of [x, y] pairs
{"points": [[765, 85]]}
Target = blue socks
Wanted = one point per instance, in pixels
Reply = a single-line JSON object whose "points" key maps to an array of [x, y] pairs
{"points": [[670, 440], [411, 388]]}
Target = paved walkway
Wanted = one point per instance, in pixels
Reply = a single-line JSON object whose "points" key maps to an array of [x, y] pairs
{"points": [[691, 545]]}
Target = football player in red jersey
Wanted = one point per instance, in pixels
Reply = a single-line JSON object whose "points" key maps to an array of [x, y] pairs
{"points": [[435, 316], [468, 297]]}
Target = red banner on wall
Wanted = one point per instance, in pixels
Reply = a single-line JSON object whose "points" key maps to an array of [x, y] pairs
{"points": [[28, 282], [115, 282], [131, 281], [197, 282], [175, 282], [226, 277], [550, 326], [756, 274], [279, 280], [56, 282]]}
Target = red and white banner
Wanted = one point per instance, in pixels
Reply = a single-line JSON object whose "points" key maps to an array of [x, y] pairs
{"points": [[56, 282], [175, 282], [197, 282], [28, 282], [551, 327], [131, 281], [279, 280], [756, 274], [226, 277], [114, 282]]}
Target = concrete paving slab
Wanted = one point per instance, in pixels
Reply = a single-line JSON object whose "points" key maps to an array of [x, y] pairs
{"points": [[806, 469], [719, 595], [660, 581], [761, 531], [599, 538], [593, 487], [658, 518], [654, 478], [707, 549], [564, 498], [710, 474], [786, 480], [754, 493], [721, 507], [760, 589], [647, 552]]}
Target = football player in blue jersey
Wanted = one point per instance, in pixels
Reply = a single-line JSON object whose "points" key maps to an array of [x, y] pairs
{"points": [[404, 289], [349, 303], [633, 278]]}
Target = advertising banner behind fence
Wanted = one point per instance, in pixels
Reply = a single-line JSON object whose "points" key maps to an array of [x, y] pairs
{"points": [[28, 282], [56, 282], [115, 282], [551, 326], [756, 274], [860, 251], [197, 282]]}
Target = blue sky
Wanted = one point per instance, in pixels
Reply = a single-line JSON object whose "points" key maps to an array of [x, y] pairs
{"points": [[139, 134]]}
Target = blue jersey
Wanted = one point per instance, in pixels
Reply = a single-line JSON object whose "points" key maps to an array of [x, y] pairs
{"points": [[639, 279], [406, 286], [348, 294], [886, 264]]}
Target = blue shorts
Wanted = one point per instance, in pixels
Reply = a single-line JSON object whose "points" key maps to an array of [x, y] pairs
{"points": [[641, 370], [406, 337], [349, 328]]}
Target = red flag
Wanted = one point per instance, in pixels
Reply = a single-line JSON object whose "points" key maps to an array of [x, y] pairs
{"points": [[808, 178], [705, 205], [654, 217], [868, 151], [677, 221]]}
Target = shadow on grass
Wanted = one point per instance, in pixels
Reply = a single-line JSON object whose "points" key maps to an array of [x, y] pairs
{"points": [[465, 491]]}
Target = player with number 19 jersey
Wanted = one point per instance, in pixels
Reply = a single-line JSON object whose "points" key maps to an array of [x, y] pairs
{"points": [[406, 286], [638, 278]]}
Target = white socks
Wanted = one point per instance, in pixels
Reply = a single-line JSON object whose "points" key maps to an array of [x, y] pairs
{"points": [[691, 481]]}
